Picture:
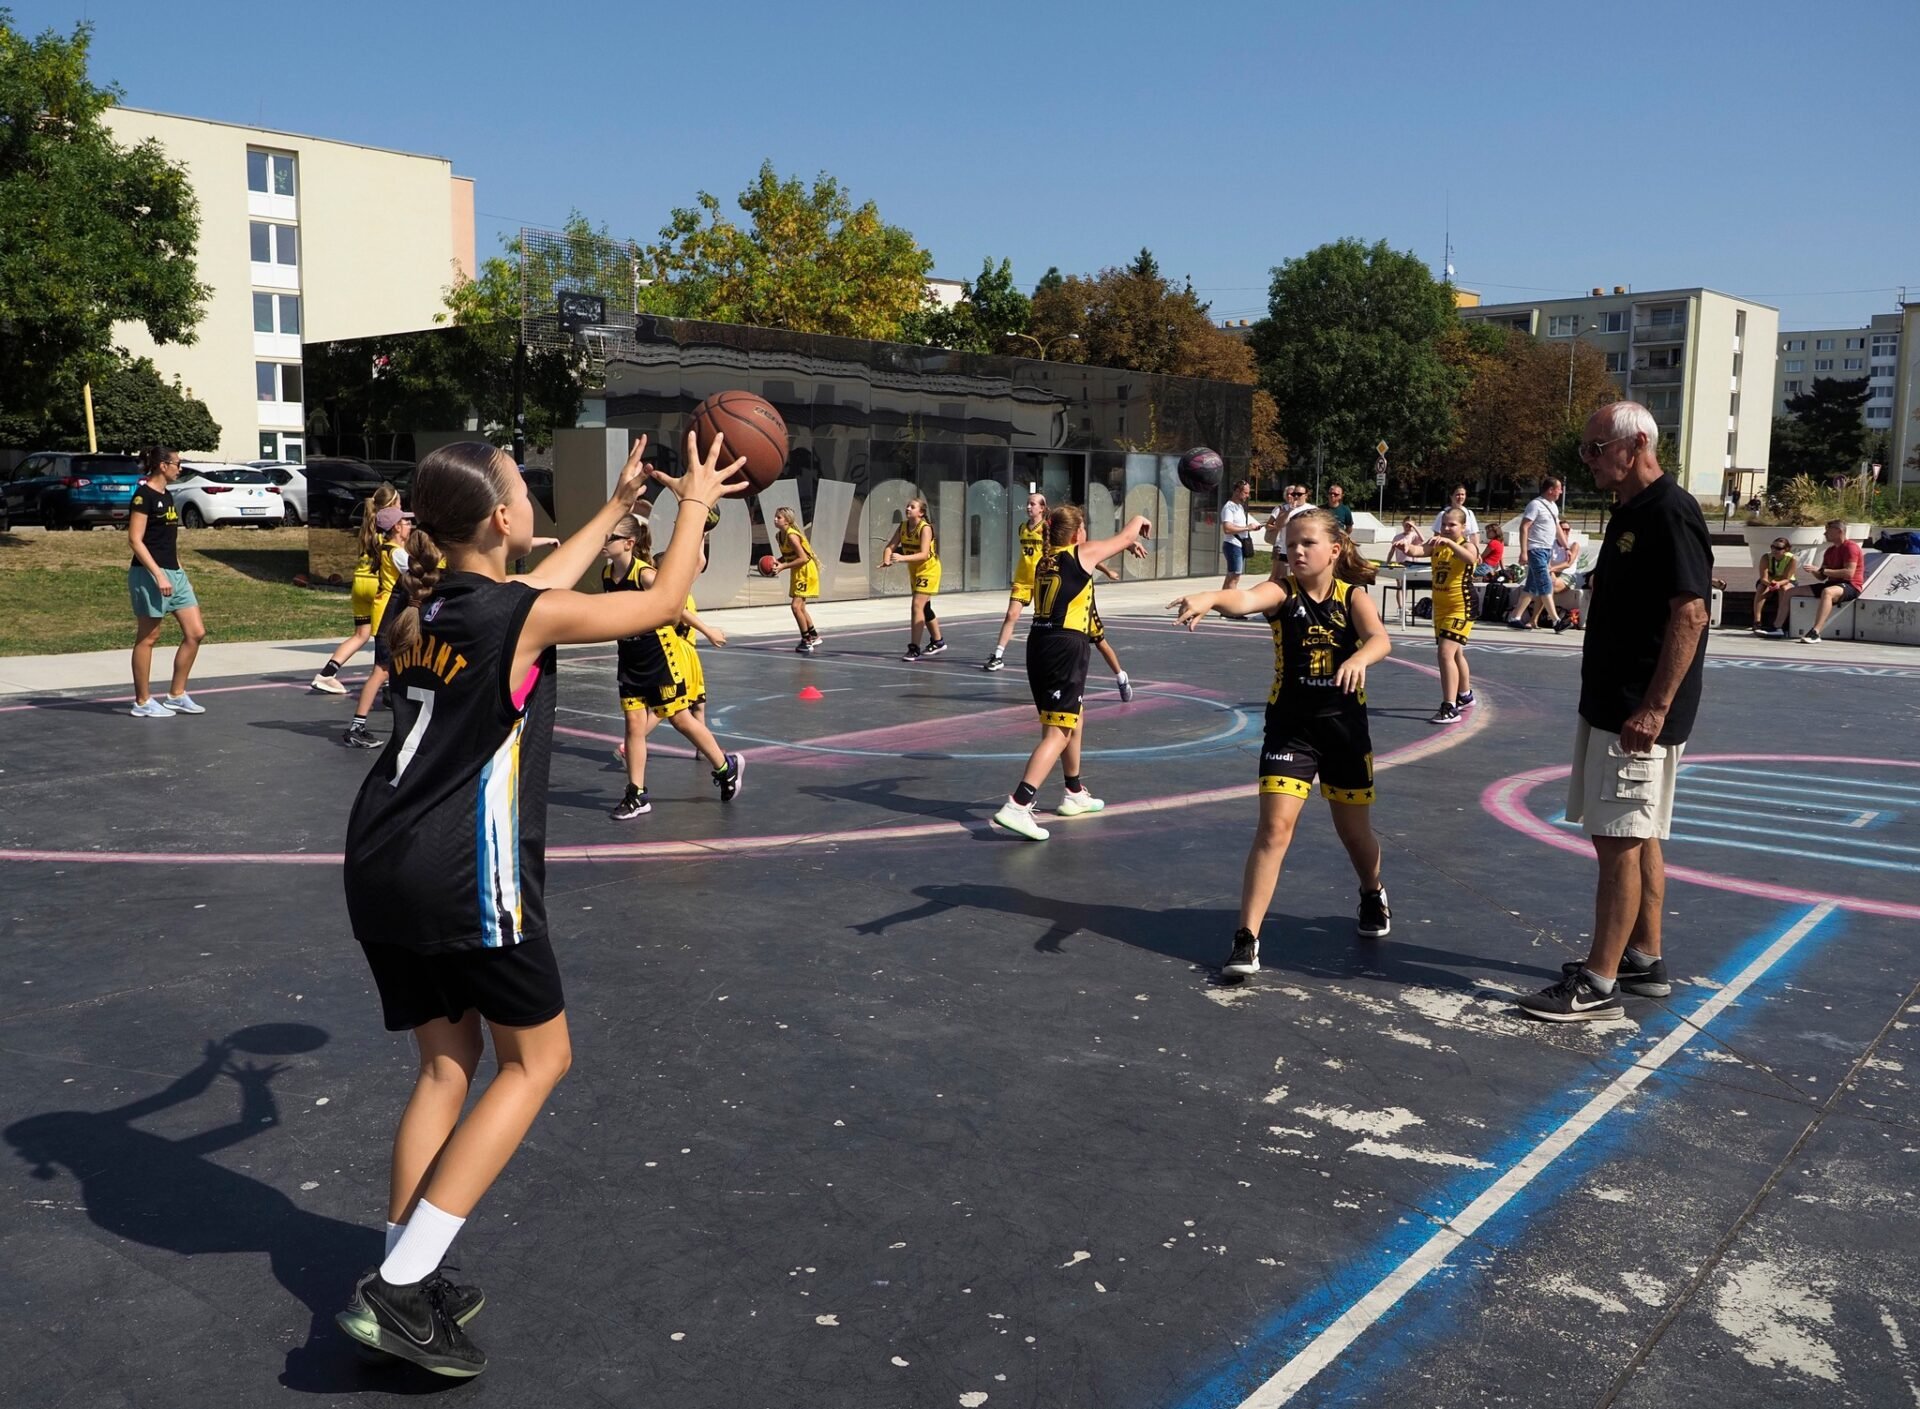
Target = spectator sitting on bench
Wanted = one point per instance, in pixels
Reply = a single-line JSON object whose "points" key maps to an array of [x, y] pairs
{"points": [[1494, 556], [1775, 580], [1842, 574]]}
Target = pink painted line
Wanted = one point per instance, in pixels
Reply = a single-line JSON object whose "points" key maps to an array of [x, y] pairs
{"points": [[653, 749], [125, 699], [1507, 801], [1479, 718]]}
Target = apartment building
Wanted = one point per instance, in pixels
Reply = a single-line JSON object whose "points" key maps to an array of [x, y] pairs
{"points": [[1695, 358], [302, 239], [1873, 352]]}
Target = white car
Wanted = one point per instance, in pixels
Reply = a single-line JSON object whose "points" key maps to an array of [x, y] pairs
{"points": [[209, 494], [292, 482]]}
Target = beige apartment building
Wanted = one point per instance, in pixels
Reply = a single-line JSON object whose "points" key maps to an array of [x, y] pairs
{"points": [[1701, 361], [302, 239], [1814, 354]]}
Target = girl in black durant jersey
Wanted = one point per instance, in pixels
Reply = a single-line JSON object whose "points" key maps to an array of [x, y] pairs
{"points": [[1325, 635], [1058, 644], [445, 852]]}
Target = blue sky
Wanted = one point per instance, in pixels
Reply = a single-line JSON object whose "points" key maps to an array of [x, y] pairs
{"points": [[1760, 148]]}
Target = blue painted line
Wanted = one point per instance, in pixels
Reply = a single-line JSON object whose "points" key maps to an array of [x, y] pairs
{"points": [[1767, 800], [1772, 786], [1854, 840], [1855, 784], [1275, 1341], [1875, 818], [1834, 857]]}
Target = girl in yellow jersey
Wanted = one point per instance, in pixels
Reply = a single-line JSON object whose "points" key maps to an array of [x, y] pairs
{"points": [[1454, 558], [1058, 645], [653, 678], [393, 525], [1033, 543], [1325, 635], [365, 584], [796, 557], [913, 544]]}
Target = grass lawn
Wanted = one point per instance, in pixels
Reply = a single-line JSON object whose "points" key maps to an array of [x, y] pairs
{"points": [[68, 591]]}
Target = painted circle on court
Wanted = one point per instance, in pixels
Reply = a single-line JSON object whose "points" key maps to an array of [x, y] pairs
{"points": [[1507, 801]]}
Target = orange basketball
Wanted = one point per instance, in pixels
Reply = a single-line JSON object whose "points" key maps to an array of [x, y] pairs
{"points": [[754, 431]]}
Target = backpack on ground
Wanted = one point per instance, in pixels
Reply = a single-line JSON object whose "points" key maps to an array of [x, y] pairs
{"points": [[1494, 601]]}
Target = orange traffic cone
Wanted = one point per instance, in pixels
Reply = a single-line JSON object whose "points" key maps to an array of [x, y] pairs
{"points": [[811, 693]]}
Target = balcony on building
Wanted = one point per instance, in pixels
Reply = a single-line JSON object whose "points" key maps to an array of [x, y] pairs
{"points": [[1658, 376], [1650, 330]]}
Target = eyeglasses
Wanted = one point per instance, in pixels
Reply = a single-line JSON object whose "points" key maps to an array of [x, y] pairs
{"points": [[1781, 546], [1296, 494], [619, 538], [1591, 448]]}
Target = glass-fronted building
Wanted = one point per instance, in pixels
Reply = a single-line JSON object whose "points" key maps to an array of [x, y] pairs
{"points": [[870, 426]]}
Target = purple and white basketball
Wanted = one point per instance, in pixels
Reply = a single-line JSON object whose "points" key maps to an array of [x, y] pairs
{"points": [[1201, 468]]}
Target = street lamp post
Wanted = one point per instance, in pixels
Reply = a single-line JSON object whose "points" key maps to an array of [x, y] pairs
{"points": [[1571, 342], [1044, 346]]}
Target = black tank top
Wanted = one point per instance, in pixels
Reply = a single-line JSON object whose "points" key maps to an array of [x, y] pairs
{"points": [[1311, 640], [446, 845], [1062, 595]]}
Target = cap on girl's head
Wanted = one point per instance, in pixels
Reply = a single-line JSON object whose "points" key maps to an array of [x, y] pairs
{"points": [[389, 516]]}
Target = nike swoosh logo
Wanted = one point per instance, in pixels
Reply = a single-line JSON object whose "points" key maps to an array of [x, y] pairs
{"points": [[1596, 1003]]}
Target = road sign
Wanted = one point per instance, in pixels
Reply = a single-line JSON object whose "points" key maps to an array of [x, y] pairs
{"points": [[1381, 448]]}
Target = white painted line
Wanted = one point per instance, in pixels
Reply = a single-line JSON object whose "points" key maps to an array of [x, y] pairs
{"points": [[1326, 1347]]}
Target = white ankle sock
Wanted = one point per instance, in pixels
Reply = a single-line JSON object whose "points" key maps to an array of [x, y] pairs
{"points": [[394, 1230], [423, 1243]]}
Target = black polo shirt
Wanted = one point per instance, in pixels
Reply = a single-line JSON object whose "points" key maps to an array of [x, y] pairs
{"points": [[1656, 549]]}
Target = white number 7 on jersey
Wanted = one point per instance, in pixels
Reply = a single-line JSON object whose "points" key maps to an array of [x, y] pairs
{"points": [[423, 698]]}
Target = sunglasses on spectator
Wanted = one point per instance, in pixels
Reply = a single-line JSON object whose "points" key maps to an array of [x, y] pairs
{"points": [[1591, 448]]}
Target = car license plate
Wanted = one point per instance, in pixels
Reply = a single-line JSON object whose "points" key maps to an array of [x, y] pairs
{"points": [[253, 511]]}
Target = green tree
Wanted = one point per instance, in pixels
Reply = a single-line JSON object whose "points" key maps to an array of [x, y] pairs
{"points": [[91, 232], [808, 260], [990, 311], [1522, 398], [132, 406], [1824, 435], [581, 259], [1351, 351], [1135, 318]]}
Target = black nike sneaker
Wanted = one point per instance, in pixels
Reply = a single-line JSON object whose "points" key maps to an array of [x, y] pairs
{"points": [[1245, 958], [1376, 917], [1573, 999], [358, 736], [634, 804], [728, 779], [412, 1323], [935, 647], [462, 1303], [1647, 980]]}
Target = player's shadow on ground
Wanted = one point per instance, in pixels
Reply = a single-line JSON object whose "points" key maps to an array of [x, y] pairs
{"points": [[328, 729], [169, 1195], [1322, 946], [886, 794]]}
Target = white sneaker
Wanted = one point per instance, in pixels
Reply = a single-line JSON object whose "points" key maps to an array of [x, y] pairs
{"points": [[1078, 804], [183, 704], [327, 685], [152, 709], [1016, 818]]}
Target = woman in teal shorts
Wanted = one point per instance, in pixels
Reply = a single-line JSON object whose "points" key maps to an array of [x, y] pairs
{"points": [[158, 588]]}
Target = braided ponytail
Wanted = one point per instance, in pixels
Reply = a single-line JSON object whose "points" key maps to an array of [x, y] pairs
{"points": [[454, 491], [1063, 527]]}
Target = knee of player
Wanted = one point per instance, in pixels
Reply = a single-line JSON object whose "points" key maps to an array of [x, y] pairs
{"points": [[193, 635], [450, 1069]]}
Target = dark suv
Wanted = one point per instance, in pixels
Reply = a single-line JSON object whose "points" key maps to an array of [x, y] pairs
{"points": [[70, 488]]}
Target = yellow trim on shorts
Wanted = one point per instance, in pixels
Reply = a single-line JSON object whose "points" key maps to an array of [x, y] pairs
{"points": [[1287, 787], [660, 711], [1358, 797], [1065, 719]]}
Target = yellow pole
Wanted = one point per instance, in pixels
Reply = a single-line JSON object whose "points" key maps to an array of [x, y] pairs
{"points": [[93, 441]]}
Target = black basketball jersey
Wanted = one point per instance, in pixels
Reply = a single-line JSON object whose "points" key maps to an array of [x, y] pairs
{"points": [[1063, 596], [1310, 642], [446, 846], [643, 658]]}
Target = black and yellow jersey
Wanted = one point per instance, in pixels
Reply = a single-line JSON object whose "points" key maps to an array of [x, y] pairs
{"points": [[1452, 594], [792, 543], [1310, 642], [1033, 543], [387, 569], [915, 536], [642, 658], [1063, 595]]}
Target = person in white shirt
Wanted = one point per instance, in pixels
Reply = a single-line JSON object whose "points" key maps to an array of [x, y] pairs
{"points": [[1293, 504], [1236, 532], [1458, 500], [1541, 531]]}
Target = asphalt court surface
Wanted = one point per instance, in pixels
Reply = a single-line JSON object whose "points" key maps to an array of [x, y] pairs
{"points": [[874, 1106]]}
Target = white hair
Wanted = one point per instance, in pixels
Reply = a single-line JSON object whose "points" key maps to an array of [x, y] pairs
{"points": [[1625, 418]]}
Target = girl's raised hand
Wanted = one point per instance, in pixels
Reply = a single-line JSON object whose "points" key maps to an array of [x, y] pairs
{"points": [[633, 476], [706, 480]]}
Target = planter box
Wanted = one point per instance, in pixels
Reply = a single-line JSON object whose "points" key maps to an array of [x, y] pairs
{"points": [[1808, 544]]}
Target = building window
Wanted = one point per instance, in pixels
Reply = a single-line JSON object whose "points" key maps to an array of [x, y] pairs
{"points": [[1883, 369], [1879, 413], [1563, 325], [1794, 364], [1823, 344], [276, 313], [1665, 316], [1616, 361], [274, 244], [1880, 393], [277, 381], [269, 173], [1852, 364], [1856, 344], [1613, 322], [1792, 388], [1886, 344], [1794, 345], [1823, 364]]}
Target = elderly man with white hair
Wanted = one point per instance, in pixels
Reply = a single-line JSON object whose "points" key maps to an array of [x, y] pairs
{"points": [[1640, 673]]}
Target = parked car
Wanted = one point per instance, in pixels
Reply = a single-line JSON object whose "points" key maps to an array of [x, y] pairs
{"points": [[70, 488], [214, 494], [337, 489], [292, 480]]}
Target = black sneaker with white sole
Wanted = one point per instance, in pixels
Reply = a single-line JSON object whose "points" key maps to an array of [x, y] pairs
{"points": [[636, 803], [1376, 916], [358, 736], [728, 779], [935, 647], [994, 662], [1245, 958], [1448, 713], [1573, 999], [462, 1303], [413, 1323], [1466, 698], [1648, 980], [911, 653]]}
